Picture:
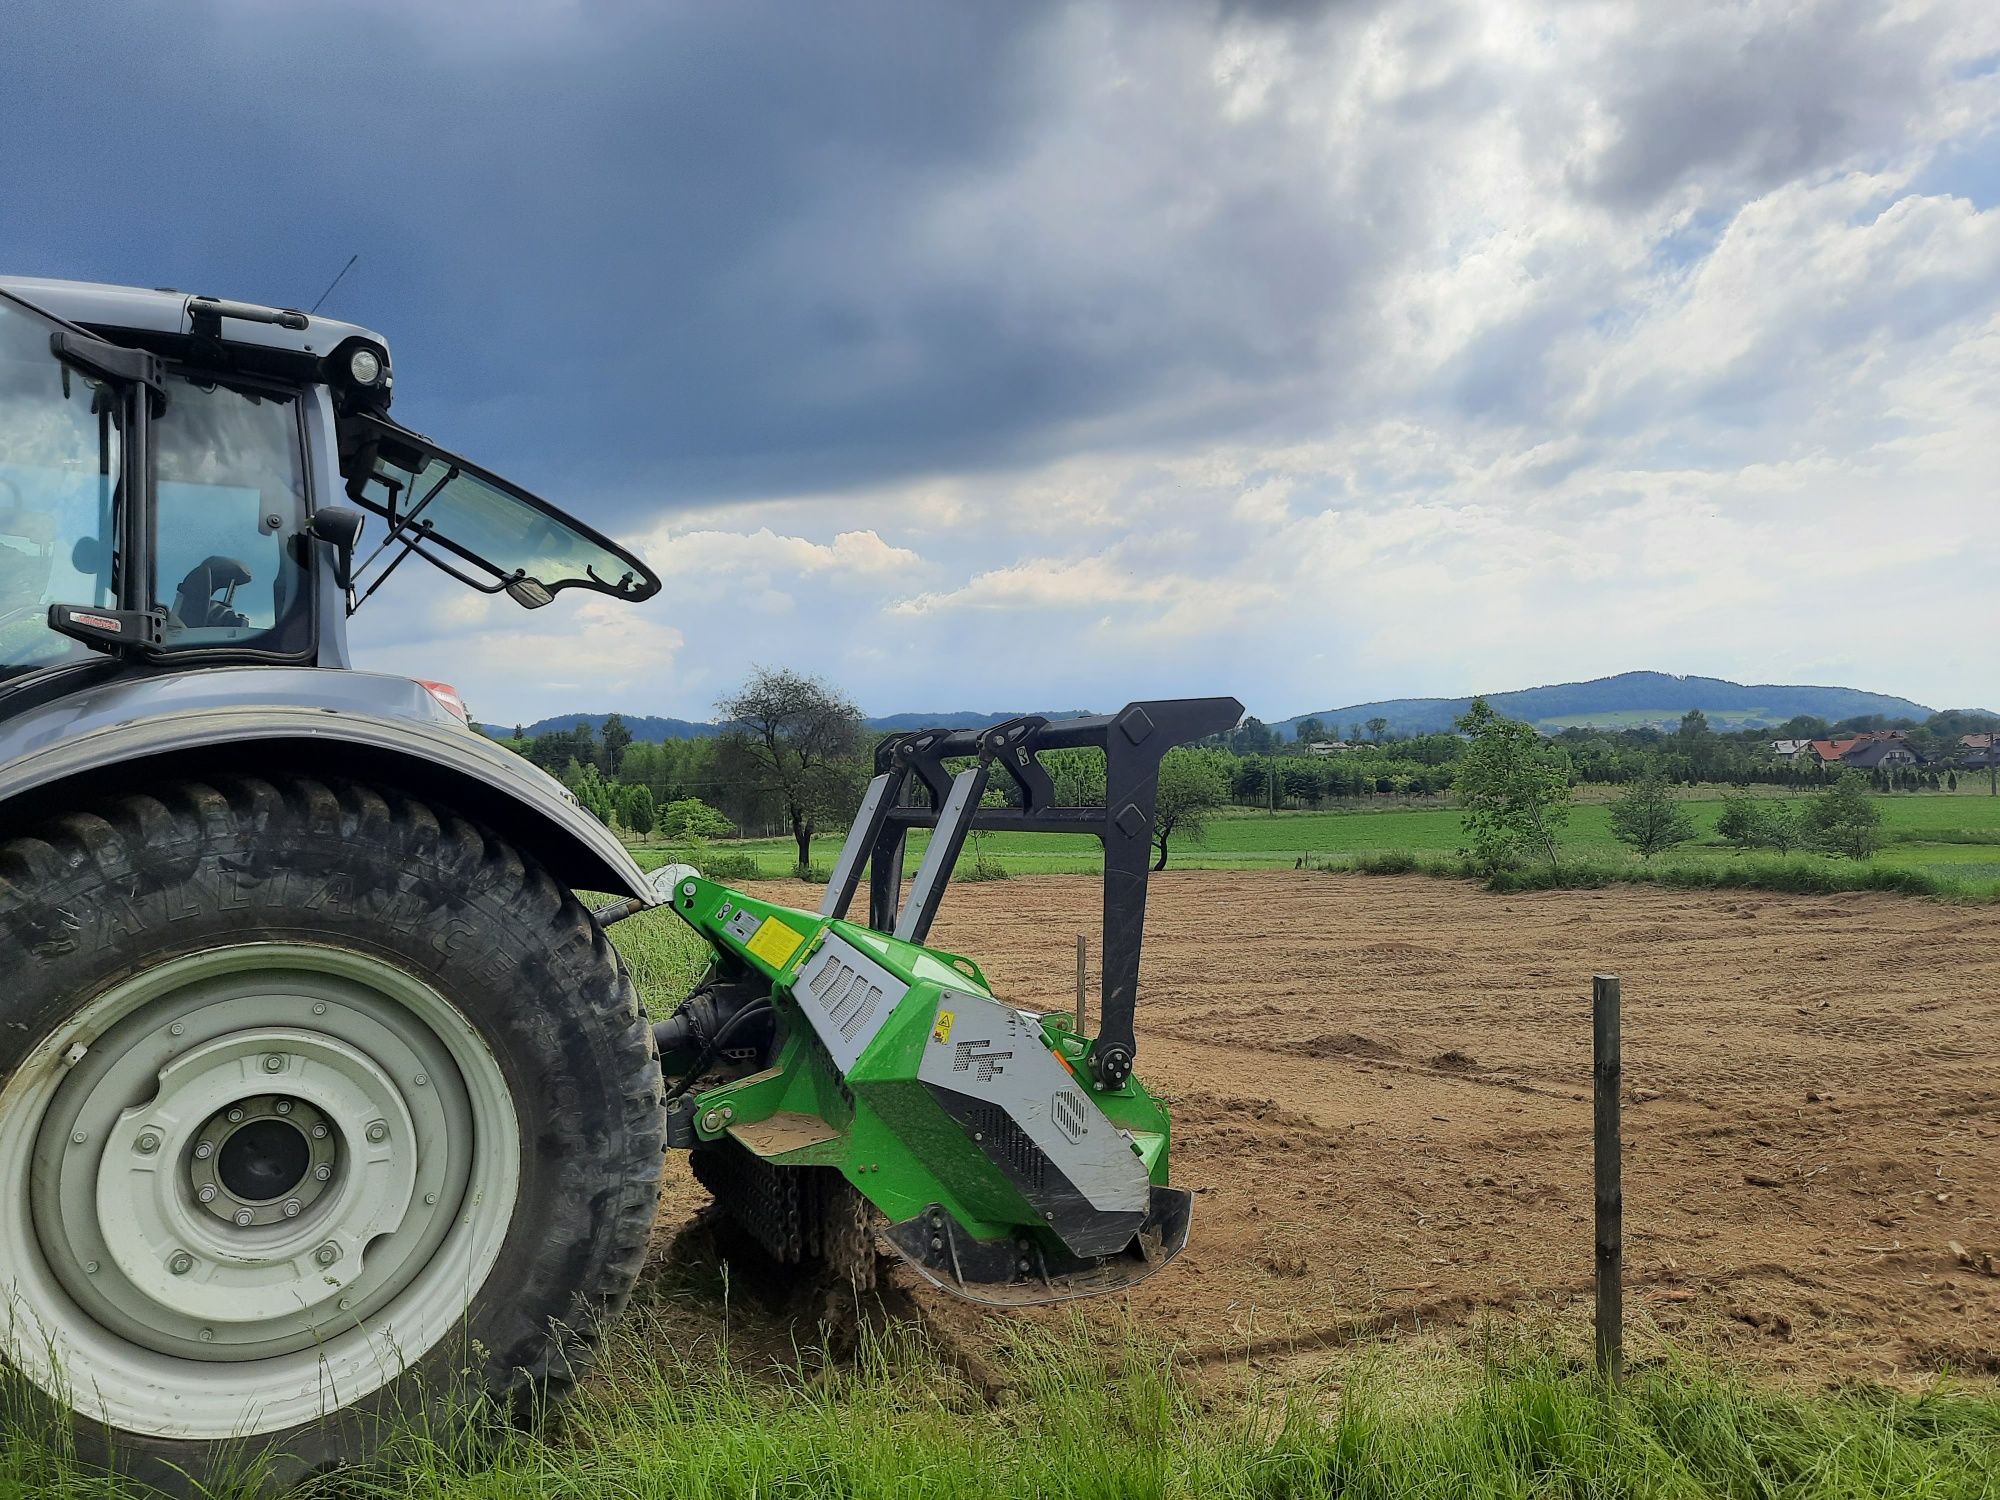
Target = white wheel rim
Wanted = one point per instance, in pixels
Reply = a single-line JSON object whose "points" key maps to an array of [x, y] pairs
{"points": [[154, 1281]]}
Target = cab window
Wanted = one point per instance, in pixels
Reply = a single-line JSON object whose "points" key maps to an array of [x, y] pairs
{"points": [[228, 546], [59, 466]]}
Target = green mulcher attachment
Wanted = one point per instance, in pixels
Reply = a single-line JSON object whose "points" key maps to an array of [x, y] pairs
{"points": [[1016, 1159]]}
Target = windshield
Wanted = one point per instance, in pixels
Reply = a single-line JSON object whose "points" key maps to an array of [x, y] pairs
{"points": [[59, 468], [475, 525]]}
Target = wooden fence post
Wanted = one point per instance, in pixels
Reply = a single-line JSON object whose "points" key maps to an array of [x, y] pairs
{"points": [[1606, 1082]]}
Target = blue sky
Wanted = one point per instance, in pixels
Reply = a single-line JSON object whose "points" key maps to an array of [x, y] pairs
{"points": [[1047, 355]]}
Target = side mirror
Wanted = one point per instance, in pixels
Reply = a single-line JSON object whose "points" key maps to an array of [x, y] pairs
{"points": [[528, 593], [340, 528]]}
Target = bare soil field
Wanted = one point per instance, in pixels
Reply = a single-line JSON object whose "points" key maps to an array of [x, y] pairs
{"points": [[1380, 1088]]}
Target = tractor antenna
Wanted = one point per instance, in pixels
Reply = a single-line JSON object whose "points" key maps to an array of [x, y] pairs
{"points": [[336, 280]]}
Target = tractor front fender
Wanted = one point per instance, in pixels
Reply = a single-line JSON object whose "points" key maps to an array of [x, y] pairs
{"points": [[314, 721]]}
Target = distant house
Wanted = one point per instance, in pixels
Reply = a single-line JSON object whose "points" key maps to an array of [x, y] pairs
{"points": [[1327, 747], [1866, 752], [1790, 749], [1975, 742], [1887, 754]]}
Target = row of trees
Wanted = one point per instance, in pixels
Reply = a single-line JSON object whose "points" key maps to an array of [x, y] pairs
{"points": [[792, 755], [1690, 753], [1515, 789]]}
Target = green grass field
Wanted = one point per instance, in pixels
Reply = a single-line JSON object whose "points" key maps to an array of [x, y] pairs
{"points": [[1062, 1416], [1953, 840]]}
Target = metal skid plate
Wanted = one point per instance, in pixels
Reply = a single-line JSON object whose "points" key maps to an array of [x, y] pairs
{"points": [[1018, 1272]]}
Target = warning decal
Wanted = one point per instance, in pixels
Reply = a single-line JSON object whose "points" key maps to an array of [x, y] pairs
{"points": [[774, 942], [942, 1031]]}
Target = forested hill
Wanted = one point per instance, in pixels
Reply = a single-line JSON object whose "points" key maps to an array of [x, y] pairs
{"points": [[647, 727], [1628, 701]]}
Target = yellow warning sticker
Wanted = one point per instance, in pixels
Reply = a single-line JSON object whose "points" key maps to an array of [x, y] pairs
{"points": [[774, 942], [942, 1031]]}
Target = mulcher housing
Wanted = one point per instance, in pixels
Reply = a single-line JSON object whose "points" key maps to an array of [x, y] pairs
{"points": [[1016, 1158]]}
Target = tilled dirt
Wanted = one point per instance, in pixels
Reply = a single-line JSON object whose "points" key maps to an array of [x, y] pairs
{"points": [[1381, 1096]]}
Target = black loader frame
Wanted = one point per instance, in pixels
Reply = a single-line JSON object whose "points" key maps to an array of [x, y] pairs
{"points": [[913, 787]]}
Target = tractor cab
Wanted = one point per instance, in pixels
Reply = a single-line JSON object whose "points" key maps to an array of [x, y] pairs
{"points": [[188, 481]]}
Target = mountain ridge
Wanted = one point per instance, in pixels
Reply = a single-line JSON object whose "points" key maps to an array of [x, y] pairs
{"points": [[1627, 700], [1623, 700]]}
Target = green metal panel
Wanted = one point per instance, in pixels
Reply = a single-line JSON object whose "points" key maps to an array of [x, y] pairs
{"points": [[891, 1139]]}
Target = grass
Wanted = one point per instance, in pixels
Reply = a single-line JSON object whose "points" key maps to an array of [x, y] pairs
{"points": [[1060, 1416], [1938, 844]]}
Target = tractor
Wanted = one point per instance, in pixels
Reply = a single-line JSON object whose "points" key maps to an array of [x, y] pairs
{"points": [[325, 1098]]}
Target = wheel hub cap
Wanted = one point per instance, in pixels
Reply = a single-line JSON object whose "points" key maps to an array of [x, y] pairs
{"points": [[242, 1257]]}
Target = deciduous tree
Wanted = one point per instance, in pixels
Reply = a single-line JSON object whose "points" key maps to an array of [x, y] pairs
{"points": [[1514, 789], [1193, 784], [796, 739]]}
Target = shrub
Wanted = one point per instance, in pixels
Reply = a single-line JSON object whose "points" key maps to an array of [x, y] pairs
{"points": [[1752, 824], [1842, 820], [692, 818], [1386, 862], [1648, 818]]}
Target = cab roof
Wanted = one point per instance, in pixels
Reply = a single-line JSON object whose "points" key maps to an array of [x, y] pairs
{"points": [[104, 308]]}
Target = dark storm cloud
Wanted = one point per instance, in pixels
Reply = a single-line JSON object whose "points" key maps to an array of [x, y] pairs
{"points": [[692, 247], [1751, 99]]}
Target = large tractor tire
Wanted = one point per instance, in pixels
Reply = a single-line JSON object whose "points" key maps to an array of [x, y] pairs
{"points": [[321, 1111]]}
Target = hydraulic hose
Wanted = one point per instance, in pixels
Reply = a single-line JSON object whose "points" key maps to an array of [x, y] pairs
{"points": [[708, 1053]]}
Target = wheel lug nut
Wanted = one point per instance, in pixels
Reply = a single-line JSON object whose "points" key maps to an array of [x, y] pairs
{"points": [[422, 1080], [283, 1106], [430, 1200], [78, 1137], [208, 1335], [204, 1151], [323, 1173], [148, 1144], [177, 1029], [181, 1263], [319, 1132], [292, 1207], [243, 1218], [274, 1064], [234, 1117], [207, 1193], [378, 1132], [319, 1007], [90, 1268], [327, 1254]]}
